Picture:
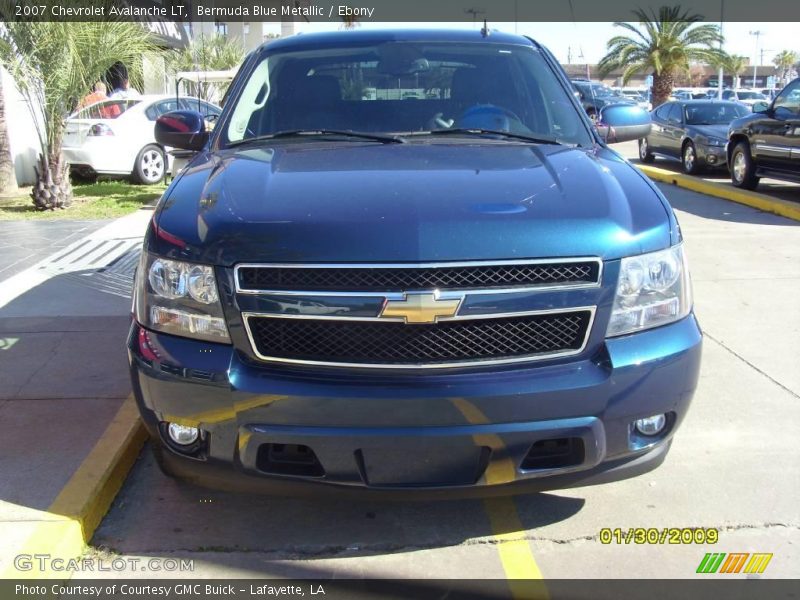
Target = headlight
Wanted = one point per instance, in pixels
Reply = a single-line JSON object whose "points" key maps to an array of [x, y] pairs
{"points": [[653, 289], [179, 298], [712, 142]]}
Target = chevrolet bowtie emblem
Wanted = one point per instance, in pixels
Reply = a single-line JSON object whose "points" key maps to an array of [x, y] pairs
{"points": [[420, 308]]}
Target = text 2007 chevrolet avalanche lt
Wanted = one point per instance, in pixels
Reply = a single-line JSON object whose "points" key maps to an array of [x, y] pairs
{"points": [[405, 262]]}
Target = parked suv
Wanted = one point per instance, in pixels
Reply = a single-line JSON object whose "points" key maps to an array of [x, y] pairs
{"points": [[594, 96], [466, 292], [767, 142]]}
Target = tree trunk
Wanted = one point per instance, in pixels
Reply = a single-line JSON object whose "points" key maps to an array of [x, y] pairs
{"points": [[52, 188], [8, 179], [662, 87]]}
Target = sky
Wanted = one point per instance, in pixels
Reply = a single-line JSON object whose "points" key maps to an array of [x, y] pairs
{"points": [[567, 40]]}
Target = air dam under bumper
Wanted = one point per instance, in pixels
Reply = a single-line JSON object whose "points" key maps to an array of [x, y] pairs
{"points": [[463, 432]]}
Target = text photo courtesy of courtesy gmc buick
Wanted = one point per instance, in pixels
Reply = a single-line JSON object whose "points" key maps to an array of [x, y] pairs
{"points": [[402, 261]]}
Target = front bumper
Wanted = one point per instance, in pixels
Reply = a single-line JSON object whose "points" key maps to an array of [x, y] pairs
{"points": [[714, 157], [463, 432]]}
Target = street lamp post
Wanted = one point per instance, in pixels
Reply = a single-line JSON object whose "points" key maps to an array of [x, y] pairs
{"points": [[721, 71], [756, 33]]}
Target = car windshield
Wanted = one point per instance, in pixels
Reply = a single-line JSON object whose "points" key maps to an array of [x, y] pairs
{"points": [[751, 96], [598, 89], [404, 88], [107, 109], [713, 114]]}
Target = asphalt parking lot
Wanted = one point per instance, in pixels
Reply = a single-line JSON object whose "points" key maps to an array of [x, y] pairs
{"points": [[734, 465]]}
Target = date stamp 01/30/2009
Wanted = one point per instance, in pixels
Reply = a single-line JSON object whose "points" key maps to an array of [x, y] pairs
{"points": [[656, 535]]}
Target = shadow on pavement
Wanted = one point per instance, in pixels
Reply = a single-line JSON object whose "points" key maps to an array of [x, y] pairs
{"points": [[154, 514], [718, 209], [64, 376]]}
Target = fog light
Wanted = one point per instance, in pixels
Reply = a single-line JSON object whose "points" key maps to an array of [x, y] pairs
{"points": [[183, 435], [651, 425], [711, 159]]}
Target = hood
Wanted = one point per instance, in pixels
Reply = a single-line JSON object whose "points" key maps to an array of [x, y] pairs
{"points": [[421, 201], [711, 131]]}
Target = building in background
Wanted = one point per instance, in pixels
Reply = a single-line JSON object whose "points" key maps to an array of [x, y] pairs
{"points": [[698, 76]]}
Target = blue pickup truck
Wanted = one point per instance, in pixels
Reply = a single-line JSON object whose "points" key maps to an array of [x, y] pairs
{"points": [[407, 262]]}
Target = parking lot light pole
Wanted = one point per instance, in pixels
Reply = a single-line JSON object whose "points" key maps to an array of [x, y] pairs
{"points": [[721, 72], [756, 33]]}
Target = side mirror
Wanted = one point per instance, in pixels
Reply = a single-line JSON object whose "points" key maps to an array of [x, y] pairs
{"points": [[184, 129], [760, 107], [622, 123]]}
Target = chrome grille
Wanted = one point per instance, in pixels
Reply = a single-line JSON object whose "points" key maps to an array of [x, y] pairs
{"points": [[446, 343]]}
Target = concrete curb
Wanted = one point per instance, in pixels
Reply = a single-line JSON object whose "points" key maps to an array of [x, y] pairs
{"points": [[784, 208], [84, 500]]}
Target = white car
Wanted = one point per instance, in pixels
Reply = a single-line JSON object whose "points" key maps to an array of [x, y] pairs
{"points": [[115, 136], [748, 97]]}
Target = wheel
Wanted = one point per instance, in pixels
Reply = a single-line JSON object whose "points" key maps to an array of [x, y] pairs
{"points": [[151, 165], [644, 152], [689, 159], [742, 168]]}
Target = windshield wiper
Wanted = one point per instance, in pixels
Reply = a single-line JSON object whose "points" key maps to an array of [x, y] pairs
{"points": [[375, 137], [505, 134]]}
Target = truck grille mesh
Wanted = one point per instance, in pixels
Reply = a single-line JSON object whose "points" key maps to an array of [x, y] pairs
{"points": [[402, 279], [393, 343]]}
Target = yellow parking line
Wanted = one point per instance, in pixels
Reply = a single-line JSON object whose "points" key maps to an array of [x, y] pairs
{"points": [[87, 496], [784, 208], [515, 551]]}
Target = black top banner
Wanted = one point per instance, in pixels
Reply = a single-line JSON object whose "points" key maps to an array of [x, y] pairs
{"points": [[387, 11]]}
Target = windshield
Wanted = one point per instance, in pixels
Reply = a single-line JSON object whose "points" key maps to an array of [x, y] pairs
{"points": [[751, 96], [602, 90], [714, 114], [406, 88], [107, 109]]}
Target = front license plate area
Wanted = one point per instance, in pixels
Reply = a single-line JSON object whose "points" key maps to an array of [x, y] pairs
{"points": [[422, 463]]}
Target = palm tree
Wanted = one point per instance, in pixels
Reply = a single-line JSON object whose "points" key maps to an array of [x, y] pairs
{"points": [[207, 53], [733, 64], [784, 61], [8, 180], [664, 42], [54, 64], [349, 22]]}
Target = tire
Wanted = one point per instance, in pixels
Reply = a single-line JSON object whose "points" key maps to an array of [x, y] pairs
{"points": [[743, 171], [150, 166], [689, 159], [644, 152]]}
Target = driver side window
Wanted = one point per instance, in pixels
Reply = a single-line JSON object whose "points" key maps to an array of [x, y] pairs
{"points": [[674, 114], [787, 104]]}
